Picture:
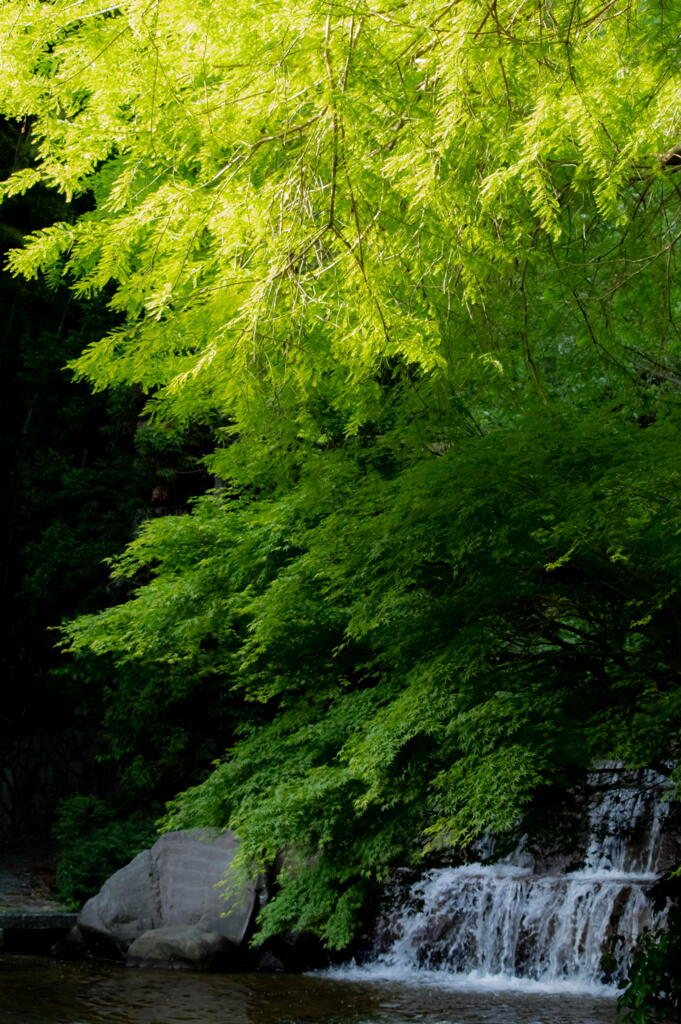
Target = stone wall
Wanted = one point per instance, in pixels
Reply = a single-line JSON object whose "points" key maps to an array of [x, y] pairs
{"points": [[36, 771]]}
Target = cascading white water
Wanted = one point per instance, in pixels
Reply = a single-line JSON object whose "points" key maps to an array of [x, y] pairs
{"points": [[626, 821], [506, 921]]}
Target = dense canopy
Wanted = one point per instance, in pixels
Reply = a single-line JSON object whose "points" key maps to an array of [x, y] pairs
{"points": [[415, 264]]}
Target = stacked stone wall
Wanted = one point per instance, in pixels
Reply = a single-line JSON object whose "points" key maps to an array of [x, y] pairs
{"points": [[36, 770]]}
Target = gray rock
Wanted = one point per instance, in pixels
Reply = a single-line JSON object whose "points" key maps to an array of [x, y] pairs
{"points": [[179, 946], [191, 869], [126, 906], [180, 882]]}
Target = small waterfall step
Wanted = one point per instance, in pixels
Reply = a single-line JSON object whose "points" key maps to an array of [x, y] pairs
{"points": [[510, 921]]}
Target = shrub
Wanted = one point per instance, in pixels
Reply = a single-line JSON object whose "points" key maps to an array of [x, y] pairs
{"points": [[94, 844]]}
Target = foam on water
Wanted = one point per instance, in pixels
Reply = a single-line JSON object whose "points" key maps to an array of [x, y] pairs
{"points": [[381, 970]]}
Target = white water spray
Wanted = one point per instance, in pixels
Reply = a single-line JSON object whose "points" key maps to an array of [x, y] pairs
{"points": [[551, 929]]}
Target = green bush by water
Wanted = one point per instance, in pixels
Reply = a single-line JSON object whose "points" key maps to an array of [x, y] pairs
{"points": [[653, 988], [94, 844]]}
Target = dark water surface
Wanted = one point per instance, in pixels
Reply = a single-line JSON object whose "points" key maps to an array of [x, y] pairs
{"points": [[41, 991]]}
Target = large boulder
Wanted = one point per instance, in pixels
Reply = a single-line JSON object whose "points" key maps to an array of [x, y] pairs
{"points": [[194, 885], [180, 946], [125, 906], [184, 880]]}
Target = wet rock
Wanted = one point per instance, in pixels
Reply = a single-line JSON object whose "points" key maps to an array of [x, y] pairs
{"points": [[295, 951], [180, 946], [268, 963], [71, 946]]}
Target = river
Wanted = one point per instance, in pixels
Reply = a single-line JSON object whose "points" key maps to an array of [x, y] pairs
{"points": [[42, 991]]}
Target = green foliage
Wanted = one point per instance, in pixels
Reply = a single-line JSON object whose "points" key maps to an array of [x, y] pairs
{"points": [[287, 198], [427, 651], [417, 269], [94, 843], [653, 992]]}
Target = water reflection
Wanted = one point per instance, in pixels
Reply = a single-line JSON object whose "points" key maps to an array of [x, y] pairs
{"points": [[39, 991]]}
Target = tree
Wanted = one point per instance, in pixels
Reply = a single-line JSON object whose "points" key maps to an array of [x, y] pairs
{"points": [[415, 266]]}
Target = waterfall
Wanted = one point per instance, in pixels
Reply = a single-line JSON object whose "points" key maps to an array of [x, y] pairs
{"points": [[511, 921]]}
